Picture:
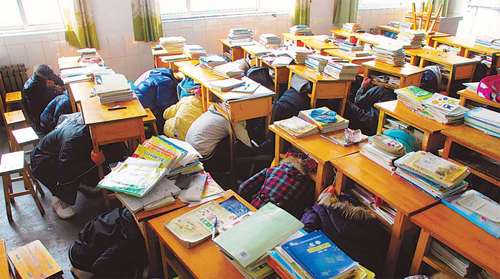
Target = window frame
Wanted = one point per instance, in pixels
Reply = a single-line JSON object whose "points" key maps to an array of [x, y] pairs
{"points": [[27, 28]]}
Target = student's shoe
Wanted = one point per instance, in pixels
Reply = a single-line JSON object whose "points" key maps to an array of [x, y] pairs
{"points": [[81, 274], [62, 209], [89, 189]]}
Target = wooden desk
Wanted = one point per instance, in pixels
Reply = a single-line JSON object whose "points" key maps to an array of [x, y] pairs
{"points": [[366, 38], [477, 141], [249, 54], [324, 87], [78, 91], [351, 58], [394, 190], [199, 75], [171, 64], [469, 95], [319, 46], [281, 74], [4, 261], [408, 74], [320, 149], [201, 261], [344, 35], [157, 54], [432, 140], [429, 38], [233, 52], [296, 40], [458, 233]]}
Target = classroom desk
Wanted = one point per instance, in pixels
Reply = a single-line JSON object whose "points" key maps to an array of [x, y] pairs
{"points": [[281, 74], [429, 37], [458, 233], [324, 86], [157, 54], [297, 40], [251, 55], [233, 52], [171, 63], [345, 35], [351, 58], [320, 149], [469, 95], [366, 38], [199, 75], [78, 91], [477, 141], [408, 74], [432, 139], [319, 46], [394, 190], [201, 261]]}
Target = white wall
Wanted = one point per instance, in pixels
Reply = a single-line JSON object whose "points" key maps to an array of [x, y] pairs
{"points": [[370, 19], [477, 21], [322, 16]]}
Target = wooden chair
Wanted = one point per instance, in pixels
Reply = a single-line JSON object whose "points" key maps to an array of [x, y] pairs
{"points": [[4, 261], [12, 98], [11, 119], [13, 163], [34, 261], [150, 120]]}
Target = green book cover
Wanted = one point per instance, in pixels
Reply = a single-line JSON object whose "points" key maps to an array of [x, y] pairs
{"points": [[257, 234]]}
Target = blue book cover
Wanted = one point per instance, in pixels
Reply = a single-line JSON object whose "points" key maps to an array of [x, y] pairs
{"points": [[234, 206], [489, 226], [319, 256]]}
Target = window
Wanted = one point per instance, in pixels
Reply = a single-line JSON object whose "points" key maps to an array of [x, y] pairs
{"points": [[29, 15], [199, 8], [377, 4]]}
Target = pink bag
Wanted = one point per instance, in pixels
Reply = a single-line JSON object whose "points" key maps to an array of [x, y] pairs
{"points": [[489, 88]]}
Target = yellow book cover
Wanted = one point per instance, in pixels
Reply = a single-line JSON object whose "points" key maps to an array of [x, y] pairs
{"points": [[147, 153]]}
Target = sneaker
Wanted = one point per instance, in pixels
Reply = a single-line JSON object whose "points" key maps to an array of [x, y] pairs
{"points": [[89, 189], [62, 209], [81, 274]]}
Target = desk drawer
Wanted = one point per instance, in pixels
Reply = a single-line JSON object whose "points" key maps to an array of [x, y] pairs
{"points": [[117, 131], [331, 90], [249, 109], [465, 71]]}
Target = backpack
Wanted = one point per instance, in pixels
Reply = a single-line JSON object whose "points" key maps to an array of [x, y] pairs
{"points": [[109, 246], [185, 86], [262, 76]]}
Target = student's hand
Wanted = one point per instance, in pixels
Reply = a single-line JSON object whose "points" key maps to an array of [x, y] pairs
{"points": [[97, 157], [58, 88], [49, 83], [366, 82]]}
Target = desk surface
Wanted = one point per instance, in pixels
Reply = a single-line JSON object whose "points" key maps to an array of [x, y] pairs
{"points": [[398, 30], [297, 37], [462, 236], [95, 113], [203, 260], [319, 45], [147, 215], [446, 59], [226, 43], [81, 90], [403, 113], [193, 70], [347, 55], [391, 188], [312, 75], [343, 33], [317, 147], [406, 70], [467, 43], [471, 95], [474, 139]]}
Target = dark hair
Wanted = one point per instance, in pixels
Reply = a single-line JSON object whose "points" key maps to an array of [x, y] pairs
{"points": [[44, 70]]}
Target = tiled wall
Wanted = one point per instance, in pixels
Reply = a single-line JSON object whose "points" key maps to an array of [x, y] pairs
{"points": [[370, 19]]}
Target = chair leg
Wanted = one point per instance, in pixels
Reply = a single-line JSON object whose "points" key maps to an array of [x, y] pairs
{"points": [[27, 182], [38, 188], [7, 184], [155, 128]]}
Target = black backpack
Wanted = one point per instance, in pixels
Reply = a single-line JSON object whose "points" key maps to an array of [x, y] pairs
{"points": [[110, 246]]}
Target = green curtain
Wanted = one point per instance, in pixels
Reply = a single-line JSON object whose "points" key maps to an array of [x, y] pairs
{"points": [[147, 20], [444, 11], [344, 11], [79, 23], [302, 12]]}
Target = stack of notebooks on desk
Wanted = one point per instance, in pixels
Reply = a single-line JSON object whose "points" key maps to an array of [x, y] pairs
{"points": [[228, 70], [113, 88], [211, 61], [194, 51], [452, 259], [342, 71], [317, 62], [174, 58], [331, 124], [323, 38], [486, 41], [89, 55], [301, 30], [269, 40], [392, 54], [412, 37], [226, 84], [240, 36], [378, 206], [443, 109], [282, 61], [349, 47], [484, 120], [300, 54], [173, 45], [351, 26], [383, 151], [258, 50], [297, 127], [413, 96], [436, 176]]}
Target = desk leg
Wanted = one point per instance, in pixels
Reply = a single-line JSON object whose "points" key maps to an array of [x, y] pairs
{"points": [[422, 247], [278, 150], [231, 154], [340, 182], [164, 261], [381, 121], [313, 95], [320, 180], [289, 79], [447, 148], [463, 100], [401, 224], [150, 240]]}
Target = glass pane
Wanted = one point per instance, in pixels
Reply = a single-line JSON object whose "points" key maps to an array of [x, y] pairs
{"points": [[42, 12], [277, 5], [9, 14], [173, 6], [218, 5]]}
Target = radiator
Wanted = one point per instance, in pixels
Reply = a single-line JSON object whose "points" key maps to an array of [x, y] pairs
{"points": [[13, 77]]}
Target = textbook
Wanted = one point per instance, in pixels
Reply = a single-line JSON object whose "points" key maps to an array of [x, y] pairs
{"points": [[250, 240], [340, 123], [226, 84], [297, 127], [413, 96], [320, 257]]}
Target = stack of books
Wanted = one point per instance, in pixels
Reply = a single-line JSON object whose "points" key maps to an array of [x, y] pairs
{"points": [[226, 84], [300, 54], [412, 37], [433, 175], [325, 126], [89, 55], [240, 35], [484, 120], [348, 138], [383, 151], [350, 47], [342, 71], [413, 96], [317, 62], [269, 40], [444, 109], [113, 88], [194, 51], [297, 127], [392, 54], [351, 27], [211, 61], [323, 38], [314, 255], [228, 70], [173, 45], [495, 44], [301, 30], [378, 206], [452, 259], [484, 40]]}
